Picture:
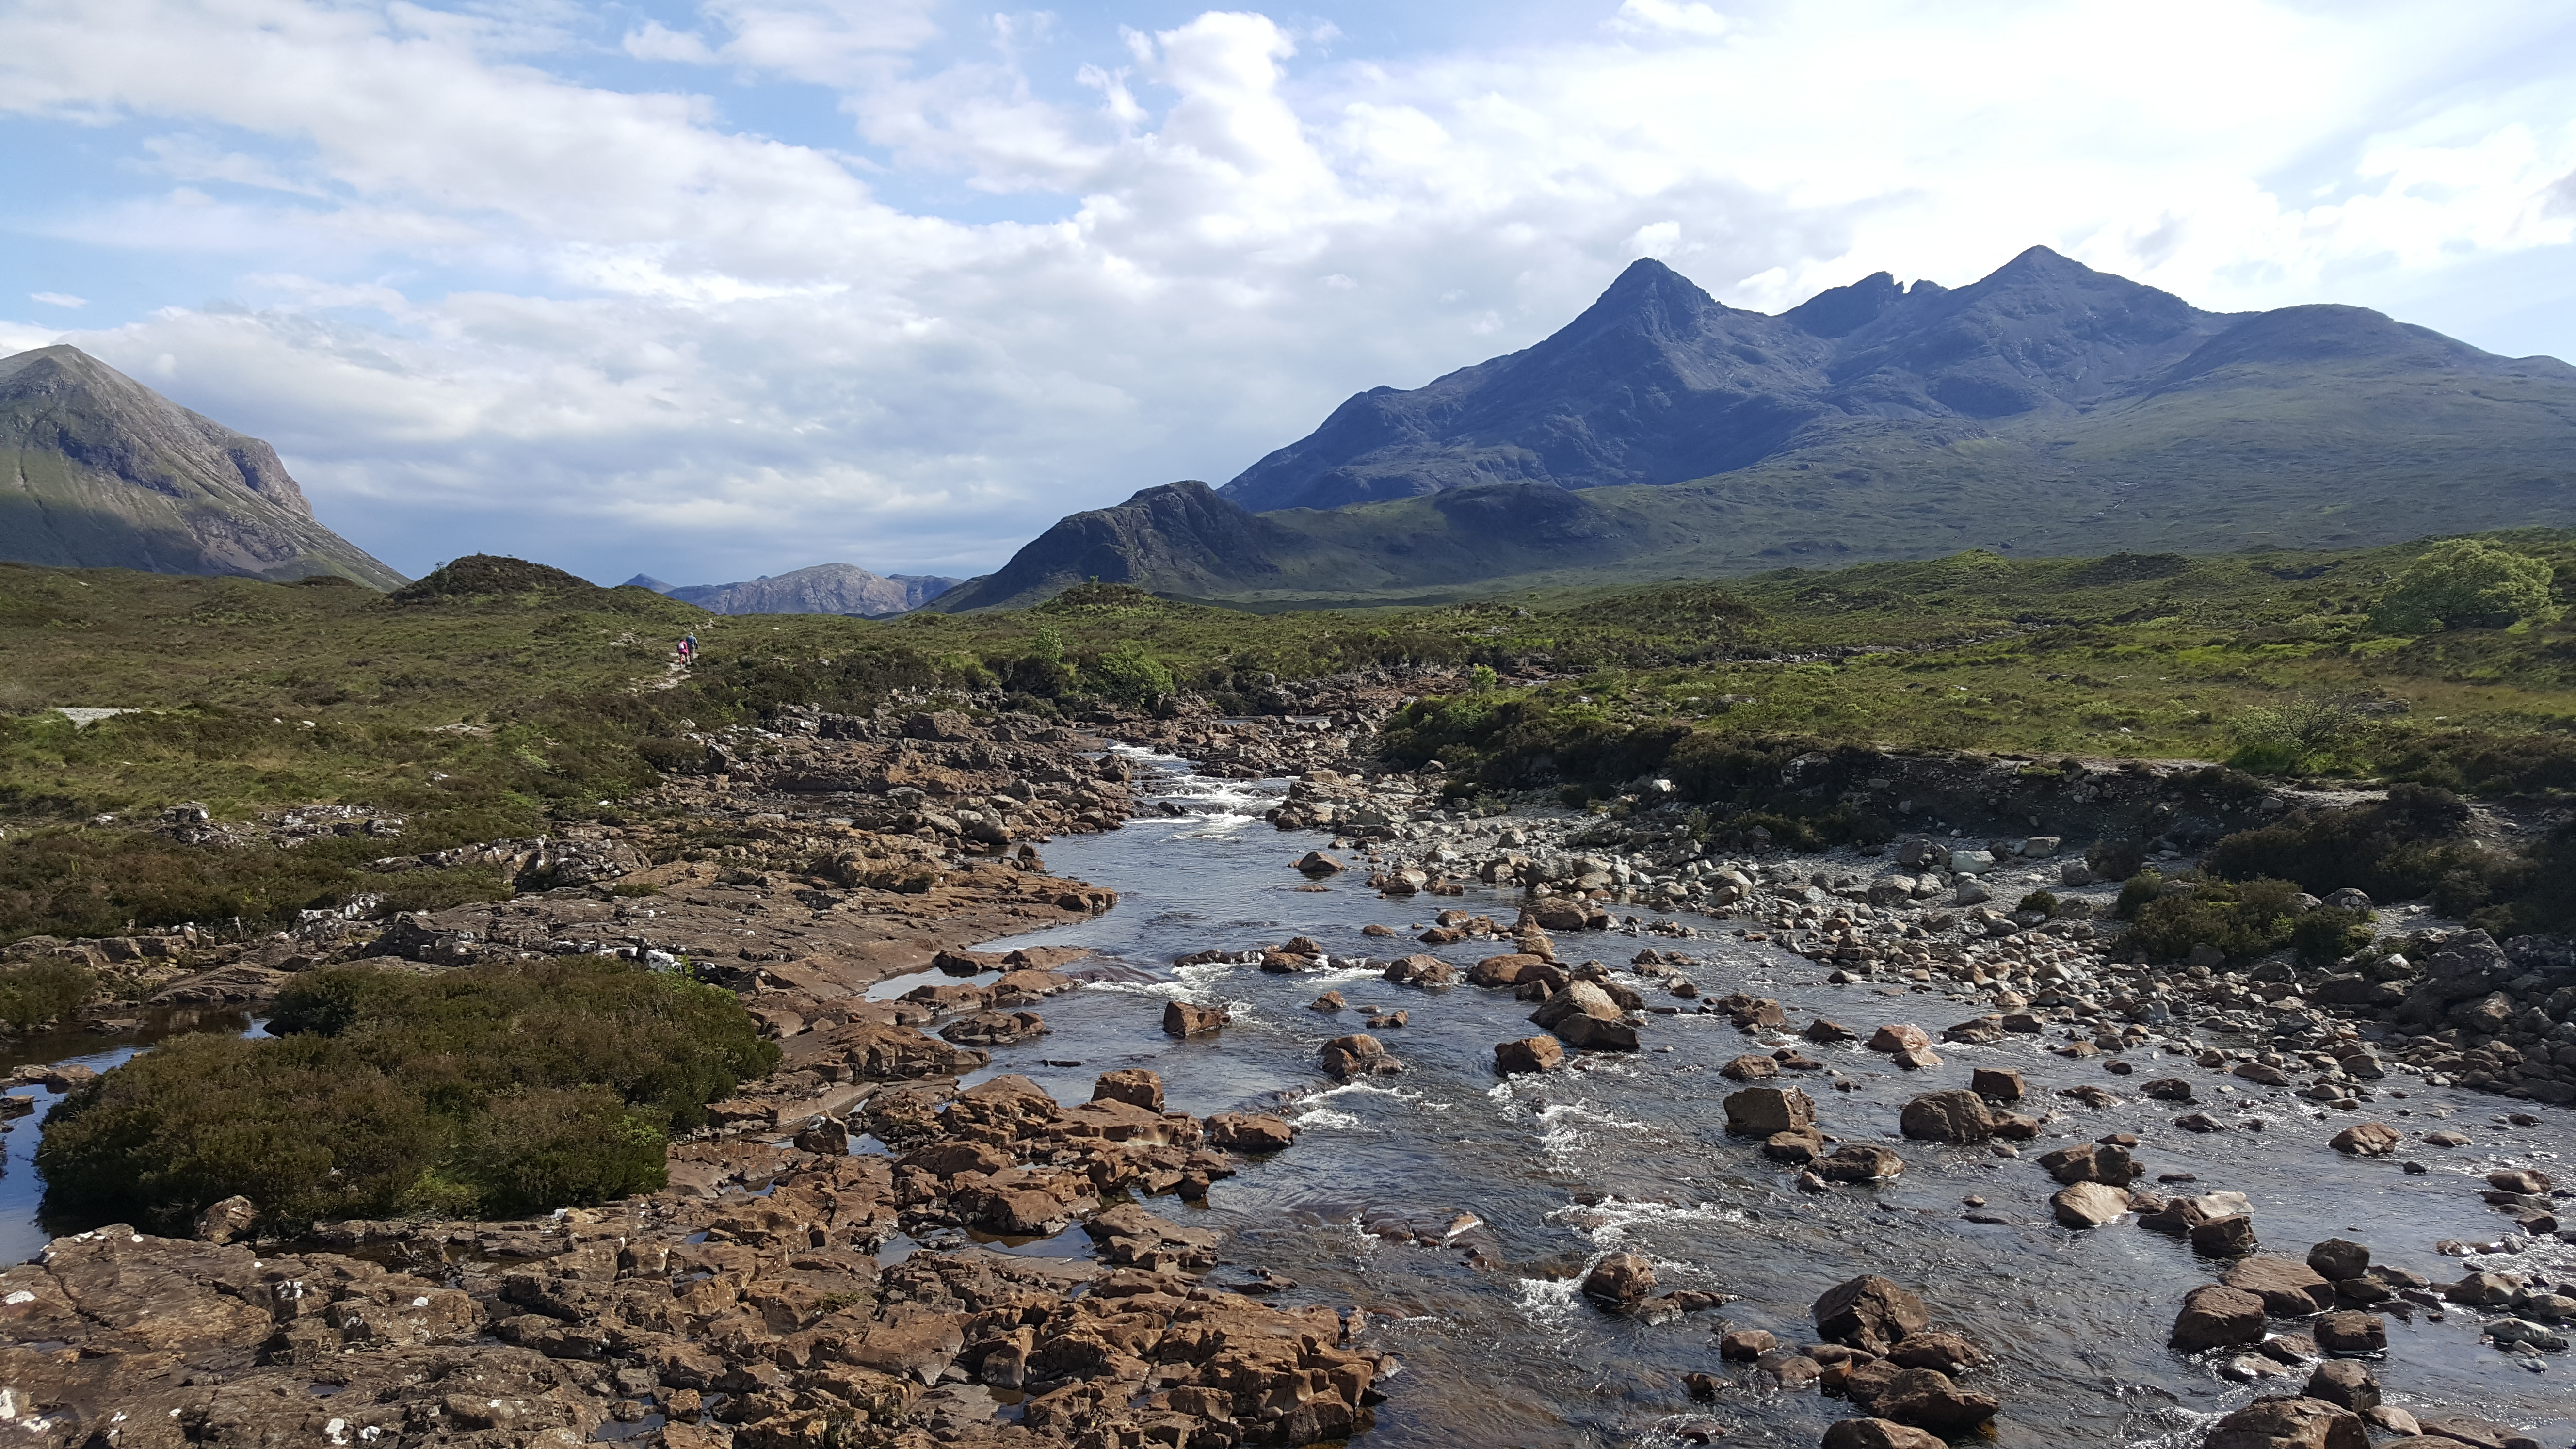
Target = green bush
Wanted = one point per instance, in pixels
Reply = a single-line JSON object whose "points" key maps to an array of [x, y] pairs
{"points": [[2463, 584], [2300, 736], [493, 1091], [44, 991], [2040, 901], [2242, 920], [2327, 934], [1125, 673]]}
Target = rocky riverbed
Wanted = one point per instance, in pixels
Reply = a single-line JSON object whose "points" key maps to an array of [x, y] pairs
{"points": [[1580, 1137]]}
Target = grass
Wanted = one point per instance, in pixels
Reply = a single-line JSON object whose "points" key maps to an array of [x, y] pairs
{"points": [[498, 698]]}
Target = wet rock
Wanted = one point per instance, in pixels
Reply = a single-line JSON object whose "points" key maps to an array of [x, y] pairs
{"points": [[1317, 863], [1951, 1116], [1530, 1054], [1797, 1148], [2166, 1089], [1591, 1033], [1420, 970], [2106, 1163], [1899, 1038], [2345, 1383], [993, 1028], [227, 1221], [1999, 1084], [1188, 1019], [1329, 1001], [1751, 1067], [1621, 1279], [1870, 1313], [1746, 1343], [2289, 1422], [1859, 1162], [1927, 1399], [1575, 998], [1249, 1132], [2350, 1332], [2088, 1204], [1947, 1352], [1793, 1370], [2288, 1289], [1763, 1111], [824, 1136], [2215, 1316], [2524, 1180], [2336, 1259], [2227, 1237], [1879, 1434], [1358, 1055], [1135, 1086], [2366, 1139], [1826, 1033], [2465, 1429], [1129, 1236]]}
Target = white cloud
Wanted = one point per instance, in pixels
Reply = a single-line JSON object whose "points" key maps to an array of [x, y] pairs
{"points": [[58, 299], [478, 300]]}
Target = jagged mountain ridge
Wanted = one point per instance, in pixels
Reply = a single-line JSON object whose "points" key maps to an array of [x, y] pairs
{"points": [[1657, 382], [2047, 409], [99, 471], [831, 588]]}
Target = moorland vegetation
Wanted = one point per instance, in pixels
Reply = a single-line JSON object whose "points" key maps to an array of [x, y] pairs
{"points": [[495, 698]]}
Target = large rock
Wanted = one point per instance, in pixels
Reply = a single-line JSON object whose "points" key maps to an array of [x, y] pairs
{"points": [[1859, 1162], [1880, 1434], [1927, 1399], [2289, 1422], [2088, 1204], [1621, 1278], [1249, 1132], [2001, 1084], [1872, 1313], [227, 1220], [2336, 1259], [2350, 1332], [2216, 1316], [1135, 1086], [1765, 1111], [2288, 1289], [1591, 1033], [2366, 1139], [1530, 1054], [1576, 998], [1952, 1116], [2345, 1383], [1901, 1037], [1189, 1018]]}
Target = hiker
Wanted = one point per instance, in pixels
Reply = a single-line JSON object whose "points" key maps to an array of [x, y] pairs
{"points": [[689, 650]]}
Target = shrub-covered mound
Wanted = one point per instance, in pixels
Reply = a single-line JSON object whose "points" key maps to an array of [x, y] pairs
{"points": [[493, 1091]]}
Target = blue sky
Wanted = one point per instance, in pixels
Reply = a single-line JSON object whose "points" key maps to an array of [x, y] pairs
{"points": [[716, 290]]}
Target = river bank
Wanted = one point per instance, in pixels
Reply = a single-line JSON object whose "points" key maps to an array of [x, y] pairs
{"points": [[965, 1270]]}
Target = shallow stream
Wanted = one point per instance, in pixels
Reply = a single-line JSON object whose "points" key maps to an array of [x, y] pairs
{"points": [[1395, 1183], [1460, 1209]]}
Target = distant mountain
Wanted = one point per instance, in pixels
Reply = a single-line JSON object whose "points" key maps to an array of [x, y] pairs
{"points": [[2046, 409], [832, 588], [1657, 382], [99, 471]]}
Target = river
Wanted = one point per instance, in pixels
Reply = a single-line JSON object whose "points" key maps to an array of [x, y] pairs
{"points": [[1459, 1209]]}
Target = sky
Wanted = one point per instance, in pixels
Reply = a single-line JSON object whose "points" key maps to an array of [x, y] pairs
{"points": [[718, 290]]}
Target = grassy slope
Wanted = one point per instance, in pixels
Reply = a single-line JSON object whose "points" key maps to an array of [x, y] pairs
{"points": [[491, 715]]}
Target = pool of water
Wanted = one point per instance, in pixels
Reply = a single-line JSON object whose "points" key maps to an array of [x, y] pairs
{"points": [[1460, 1209]]}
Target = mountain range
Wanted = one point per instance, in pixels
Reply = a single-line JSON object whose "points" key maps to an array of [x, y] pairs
{"points": [[832, 588], [2046, 408], [99, 471]]}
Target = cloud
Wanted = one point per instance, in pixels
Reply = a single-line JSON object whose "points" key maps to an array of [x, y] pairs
{"points": [[486, 288], [58, 299]]}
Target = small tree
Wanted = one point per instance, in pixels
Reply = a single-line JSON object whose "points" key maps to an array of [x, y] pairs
{"points": [[2463, 584]]}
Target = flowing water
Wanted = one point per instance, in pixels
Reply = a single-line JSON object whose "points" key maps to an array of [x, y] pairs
{"points": [[1459, 1210]]}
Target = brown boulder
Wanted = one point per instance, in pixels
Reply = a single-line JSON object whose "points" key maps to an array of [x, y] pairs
{"points": [[1879, 1434], [2088, 1204], [1952, 1116], [2227, 1237], [1249, 1132], [1751, 1067], [1860, 1162], [2215, 1316], [1621, 1278], [2001, 1084], [2288, 1289], [2366, 1139], [1869, 1312], [1763, 1111], [1927, 1399], [1530, 1054], [2289, 1422], [1899, 1038], [2346, 1384], [2350, 1332], [2336, 1259], [1188, 1019], [1135, 1086]]}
